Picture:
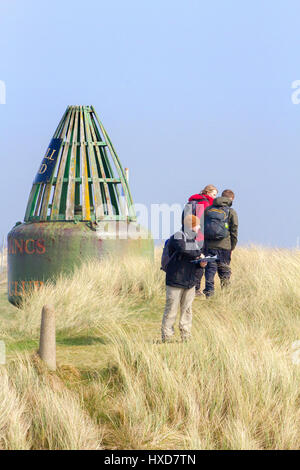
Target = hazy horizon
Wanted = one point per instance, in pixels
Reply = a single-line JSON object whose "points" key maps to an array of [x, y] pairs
{"points": [[189, 94]]}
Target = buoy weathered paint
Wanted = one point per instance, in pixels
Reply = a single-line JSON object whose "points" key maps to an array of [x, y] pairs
{"points": [[80, 207]]}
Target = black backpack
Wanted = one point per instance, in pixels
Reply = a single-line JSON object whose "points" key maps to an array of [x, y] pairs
{"points": [[216, 225], [166, 257], [190, 207]]}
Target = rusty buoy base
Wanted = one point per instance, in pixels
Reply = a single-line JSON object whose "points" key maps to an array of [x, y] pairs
{"points": [[40, 251]]}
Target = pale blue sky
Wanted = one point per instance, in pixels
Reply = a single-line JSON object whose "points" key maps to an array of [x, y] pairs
{"points": [[191, 92]]}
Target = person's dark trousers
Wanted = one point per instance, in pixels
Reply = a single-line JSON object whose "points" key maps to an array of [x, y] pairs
{"points": [[199, 275], [221, 266]]}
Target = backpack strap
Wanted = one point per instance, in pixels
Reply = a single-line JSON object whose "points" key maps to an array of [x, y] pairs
{"points": [[227, 210], [176, 252], [189, 208], [182, 232], [200, 200], [204, 198]]}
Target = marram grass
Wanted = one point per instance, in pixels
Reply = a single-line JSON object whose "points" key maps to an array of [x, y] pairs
{"points": [[235, 385]]}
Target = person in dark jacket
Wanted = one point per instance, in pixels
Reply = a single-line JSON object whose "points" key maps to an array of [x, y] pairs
{"points": [[222, 248], [181, 278]]}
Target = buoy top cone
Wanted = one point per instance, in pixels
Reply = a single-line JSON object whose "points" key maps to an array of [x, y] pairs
{"points": [[80, 177]]}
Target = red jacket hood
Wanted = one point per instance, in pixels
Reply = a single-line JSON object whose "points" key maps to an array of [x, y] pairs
{"points": [[200, 197]]}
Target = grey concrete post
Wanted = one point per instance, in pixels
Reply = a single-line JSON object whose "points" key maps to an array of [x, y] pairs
{"points": [[47, 349]]}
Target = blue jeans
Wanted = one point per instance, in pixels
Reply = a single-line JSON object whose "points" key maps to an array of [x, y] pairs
{"points": [[221, 266]]}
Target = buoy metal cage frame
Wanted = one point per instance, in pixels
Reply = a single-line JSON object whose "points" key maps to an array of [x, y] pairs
{"points": [[82, 186]]}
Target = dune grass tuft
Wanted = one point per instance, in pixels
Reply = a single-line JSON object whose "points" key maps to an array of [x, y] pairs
{"points": [[235, 385]]}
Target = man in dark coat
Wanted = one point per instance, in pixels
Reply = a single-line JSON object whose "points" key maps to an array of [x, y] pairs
{"points": [[222, 247], [181, 278]]}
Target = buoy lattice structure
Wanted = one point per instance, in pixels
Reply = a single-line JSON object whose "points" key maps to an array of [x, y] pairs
{"points": [[80, 207], [83, 187]]}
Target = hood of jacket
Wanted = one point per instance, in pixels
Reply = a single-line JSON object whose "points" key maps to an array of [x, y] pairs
{"points": [[189, 233], [222, 202]]}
